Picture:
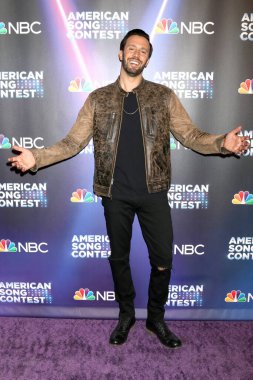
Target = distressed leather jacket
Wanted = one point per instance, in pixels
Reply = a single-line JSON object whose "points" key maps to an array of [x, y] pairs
{"points": [[100, 118]]}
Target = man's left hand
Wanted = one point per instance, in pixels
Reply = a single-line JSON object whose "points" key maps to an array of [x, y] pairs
{"points": [[234, 143]]}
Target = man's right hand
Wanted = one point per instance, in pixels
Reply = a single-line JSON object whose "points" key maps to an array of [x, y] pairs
{"points": [[24, 161]]}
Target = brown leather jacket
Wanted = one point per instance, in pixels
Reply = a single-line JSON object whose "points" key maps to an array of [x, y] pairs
{"points": [[100, 117]]}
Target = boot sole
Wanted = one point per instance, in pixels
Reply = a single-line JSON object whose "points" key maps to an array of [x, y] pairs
{"points": [[121, 344], [163, 345]]}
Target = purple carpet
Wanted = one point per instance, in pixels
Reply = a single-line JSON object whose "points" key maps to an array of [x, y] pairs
{"points": [[78, 349]]}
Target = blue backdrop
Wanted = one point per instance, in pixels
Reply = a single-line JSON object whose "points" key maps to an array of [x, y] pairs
{"points": [[53, 242]]}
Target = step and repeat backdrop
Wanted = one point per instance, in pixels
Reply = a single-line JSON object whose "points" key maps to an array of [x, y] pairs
{"points": [[53, 241]]}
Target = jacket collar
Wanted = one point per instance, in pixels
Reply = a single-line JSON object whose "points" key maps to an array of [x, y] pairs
{"points": [[135, 90]]}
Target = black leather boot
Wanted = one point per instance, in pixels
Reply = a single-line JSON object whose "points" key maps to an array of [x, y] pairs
{"points": [[163, 333], [158, 295], [120, 333]]}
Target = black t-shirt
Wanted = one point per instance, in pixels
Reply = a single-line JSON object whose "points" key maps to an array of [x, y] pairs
{"points": [[130, 172]]}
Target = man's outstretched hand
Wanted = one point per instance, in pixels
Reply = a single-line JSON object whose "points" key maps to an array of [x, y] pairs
{"points": [[24, 161], [234, 143]]}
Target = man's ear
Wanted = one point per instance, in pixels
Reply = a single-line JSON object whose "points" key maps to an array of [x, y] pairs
{"points": [[120, 55], [146, 64]]}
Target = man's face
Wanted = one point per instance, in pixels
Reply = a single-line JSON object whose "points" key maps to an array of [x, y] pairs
{"points": [[135, 56]]}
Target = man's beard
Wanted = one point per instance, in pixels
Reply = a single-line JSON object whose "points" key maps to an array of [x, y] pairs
{"points": [[132, 72]]}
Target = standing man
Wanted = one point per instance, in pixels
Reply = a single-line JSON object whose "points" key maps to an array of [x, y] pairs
{"points": [[130, 121]]}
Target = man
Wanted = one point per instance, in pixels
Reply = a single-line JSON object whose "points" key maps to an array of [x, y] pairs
{"points": [[130, 122]]}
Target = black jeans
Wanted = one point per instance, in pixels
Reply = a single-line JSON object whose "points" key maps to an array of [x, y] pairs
{"points": [[153, 212]]}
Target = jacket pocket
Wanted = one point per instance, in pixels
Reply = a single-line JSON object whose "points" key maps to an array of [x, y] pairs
{"points": [[149, 122], [111, 125]]}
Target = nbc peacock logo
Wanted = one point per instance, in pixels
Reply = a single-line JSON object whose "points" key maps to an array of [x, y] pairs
{"points": [[4, 142], [173, 145], [3, 29], [167, 26], [80, 85], [82, 196], [243, 198], [84, 295], [7, 246], [246, 87], [235, 296]]}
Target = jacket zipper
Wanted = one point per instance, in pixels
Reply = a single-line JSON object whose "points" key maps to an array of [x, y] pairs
{"points": [[144, 147], [116, 150], [111, 125]]}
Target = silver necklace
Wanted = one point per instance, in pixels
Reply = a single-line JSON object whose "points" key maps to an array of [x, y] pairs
{"points": [[130, 113]]}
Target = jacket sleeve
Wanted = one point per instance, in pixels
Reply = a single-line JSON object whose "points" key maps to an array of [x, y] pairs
{"points": [[77, 138], [188, 134]]}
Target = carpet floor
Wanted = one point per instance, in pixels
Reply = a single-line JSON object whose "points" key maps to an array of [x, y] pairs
{"points": [[78, 349]]}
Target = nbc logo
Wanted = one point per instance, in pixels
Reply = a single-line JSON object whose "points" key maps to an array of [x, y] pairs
{"points": [[167, 26], [246, 87], [84, 295], [22, 27], [80, 85], [4, 142], [82, 196], [30, 247], [25, 142], [243, 198], [235, 296], [3, 30], [7, 246]]}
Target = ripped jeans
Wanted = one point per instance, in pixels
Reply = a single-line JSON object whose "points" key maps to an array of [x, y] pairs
{"points": [[153, 213]]}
